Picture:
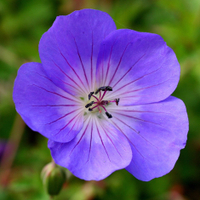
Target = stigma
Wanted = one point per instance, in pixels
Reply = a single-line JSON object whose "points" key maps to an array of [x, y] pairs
{"points": [[99, 101]]}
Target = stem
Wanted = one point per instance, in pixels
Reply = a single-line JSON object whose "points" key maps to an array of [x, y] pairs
{"points": [[11, 150], [53, 163], [94, 107], [103, 108], [95, 97], [103, 95], [100, 94]]}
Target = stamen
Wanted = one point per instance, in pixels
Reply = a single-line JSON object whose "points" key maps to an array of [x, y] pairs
{"points": [[103, 108], [104, 102], [98, 90], [99, 110], [99, 94], [104, 88], [108, 115], [117, 101], [90, 109], [103, 95], [89, 104], [108, 88], [95, 97], [90, 95], [99, 102]]}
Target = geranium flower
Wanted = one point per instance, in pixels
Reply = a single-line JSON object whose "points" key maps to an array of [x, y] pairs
{"points": [[102, 98]]}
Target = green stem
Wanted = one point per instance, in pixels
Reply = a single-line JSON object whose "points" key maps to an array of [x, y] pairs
{"points": [[11, 150]]}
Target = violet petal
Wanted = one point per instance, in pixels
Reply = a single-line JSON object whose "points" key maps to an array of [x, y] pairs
{"points": [[156, 132], [140, 67], [45, 107], [97, 151], [69, 49]]}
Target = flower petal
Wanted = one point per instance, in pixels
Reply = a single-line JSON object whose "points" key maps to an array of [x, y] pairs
{"points": [[140, 67], [97, 151], [45, 107], [69, 49], [156, 133]]}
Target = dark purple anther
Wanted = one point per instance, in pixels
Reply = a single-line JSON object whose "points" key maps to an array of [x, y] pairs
{"points": [[108, 88], [117, 101], [104, 88], [89, 104], [90, 95], [99, 89], [108, 115]]}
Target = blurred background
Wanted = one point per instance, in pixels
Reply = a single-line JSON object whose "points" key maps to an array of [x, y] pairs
{"points": [[23, 153]]}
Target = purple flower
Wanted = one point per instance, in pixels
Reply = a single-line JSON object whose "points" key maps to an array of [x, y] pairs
{"points": [[102, 98]]}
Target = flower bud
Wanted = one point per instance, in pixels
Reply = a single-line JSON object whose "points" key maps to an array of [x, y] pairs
{"points": [[53, 177]]}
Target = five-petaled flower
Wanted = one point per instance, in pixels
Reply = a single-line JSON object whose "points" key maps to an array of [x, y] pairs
{"points": [[102, 98]]}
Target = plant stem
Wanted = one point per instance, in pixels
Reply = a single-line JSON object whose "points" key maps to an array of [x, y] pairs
{"points": [[11, 150]]}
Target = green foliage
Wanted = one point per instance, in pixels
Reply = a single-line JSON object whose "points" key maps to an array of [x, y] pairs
{"points": [[23, 22]]}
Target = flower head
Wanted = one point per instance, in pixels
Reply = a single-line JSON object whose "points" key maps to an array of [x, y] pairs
{"points": [[102, 98]]}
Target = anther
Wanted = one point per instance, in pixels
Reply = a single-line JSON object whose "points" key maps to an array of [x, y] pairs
{"points": [[117, 101], [104, 88], [108, 88], [89, 104], [108, 115], [90, 95], [90, 109], [98, 90]]}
